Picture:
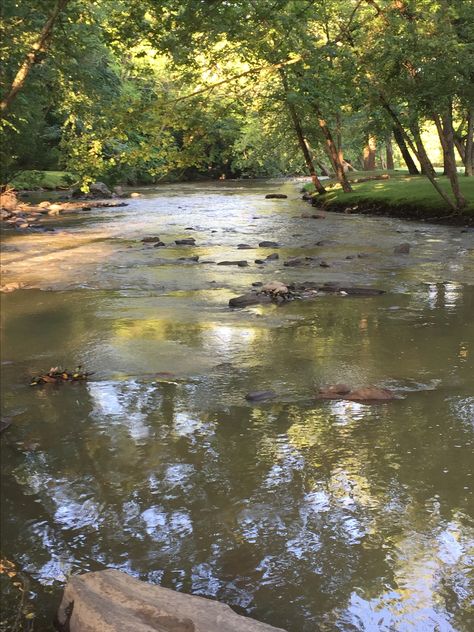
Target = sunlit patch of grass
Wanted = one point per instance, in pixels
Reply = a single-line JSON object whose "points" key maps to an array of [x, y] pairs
{"points": [[400, 191]]}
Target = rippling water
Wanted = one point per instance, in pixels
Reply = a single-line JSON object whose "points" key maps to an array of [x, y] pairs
{"points": [[307, 515]]}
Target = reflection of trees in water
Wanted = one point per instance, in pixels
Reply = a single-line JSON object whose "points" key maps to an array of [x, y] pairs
{"points": [[252, 504]]}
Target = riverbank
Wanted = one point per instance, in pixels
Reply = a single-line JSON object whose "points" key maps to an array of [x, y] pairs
{"points": [[397, 195]]}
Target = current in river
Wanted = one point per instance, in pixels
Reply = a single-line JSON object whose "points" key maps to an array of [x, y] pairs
{"points": [[309, 515]]}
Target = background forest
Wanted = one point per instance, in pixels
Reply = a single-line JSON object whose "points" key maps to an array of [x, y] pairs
{"points": [[144, 90]]}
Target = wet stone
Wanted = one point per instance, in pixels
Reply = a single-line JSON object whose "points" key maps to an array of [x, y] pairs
{"points": [[269, 244], [273, 257]]}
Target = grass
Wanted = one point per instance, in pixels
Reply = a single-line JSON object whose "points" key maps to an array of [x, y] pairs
{"points": [[400, 191], [32, 179]]}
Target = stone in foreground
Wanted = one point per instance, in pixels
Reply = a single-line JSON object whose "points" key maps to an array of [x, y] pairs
{"points": [[112, 601], [276, 196]]}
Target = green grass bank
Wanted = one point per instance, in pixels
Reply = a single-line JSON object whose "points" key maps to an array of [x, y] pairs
{"points": [[401, 195], [30, 180]]}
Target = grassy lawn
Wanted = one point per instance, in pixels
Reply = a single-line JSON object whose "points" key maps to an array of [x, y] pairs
{"points": [[400, 190], [43, 179]]}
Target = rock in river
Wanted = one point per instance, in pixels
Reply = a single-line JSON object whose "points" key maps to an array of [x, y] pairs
{"points": [[276, 196], [273, 257], [244, 247], [260, 396], [189, 241], [269, 244], [241, 264], [402, 249], [112, 601], [252, 298], [150, 240], [363, 394]]}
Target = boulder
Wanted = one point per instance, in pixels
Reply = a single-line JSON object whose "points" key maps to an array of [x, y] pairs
{"points": [[159, 244], [402, 249], [252, 298], [269, 244], [295, 262], [150, 240], [189, 241], [273, 257], [260, 396], [100, 189], [259, 261], [112, 601], [244, 247], [276, 196], [193, 259]]}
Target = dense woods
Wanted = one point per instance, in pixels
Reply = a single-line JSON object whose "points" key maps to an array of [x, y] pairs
{"points": [[138, 91]]}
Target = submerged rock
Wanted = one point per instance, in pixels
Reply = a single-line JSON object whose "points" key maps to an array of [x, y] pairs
{"points": [[112, 601], [273, 257], [362, 394], [159, 244], [370, 394], [402, 249], [260, 396], [244, 247], [276, 196], [333, 391], [150, 240], [193, 259]]}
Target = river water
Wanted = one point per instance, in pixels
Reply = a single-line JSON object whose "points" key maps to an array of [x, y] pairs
{"points": [[305, 514]]}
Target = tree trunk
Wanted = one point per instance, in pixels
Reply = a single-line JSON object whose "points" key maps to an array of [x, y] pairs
{"points": [[301, 138], [410, 163], [389, 152], [32, 57], [324, 170], [469, 149], [333, 152], [369, 154], [446, 136], [427, 168]]}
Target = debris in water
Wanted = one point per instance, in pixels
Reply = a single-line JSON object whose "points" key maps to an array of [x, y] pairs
{"points": [[56, 375]]}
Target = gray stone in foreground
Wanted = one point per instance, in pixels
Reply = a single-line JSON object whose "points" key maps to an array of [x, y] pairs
{"points": [[260, 396], [112, 601]]}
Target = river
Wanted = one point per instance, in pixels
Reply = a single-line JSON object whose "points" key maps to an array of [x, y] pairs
{"points": [[308, 515]]}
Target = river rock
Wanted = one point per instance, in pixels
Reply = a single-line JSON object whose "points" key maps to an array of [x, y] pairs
{"points": [[241, 264], [244, 247], [269, 244], [189, 241], [252, 298], [257, 284], [260, 396], [8, 200], [259, 261], [273, 257], [159, 244], [100, 189], [275, 287], [150, 240], [276, 196], [402, 249], [295, 262], [112, 601]]}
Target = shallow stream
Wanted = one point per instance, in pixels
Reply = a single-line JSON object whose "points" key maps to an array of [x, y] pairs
{"points": [[308, 515]]}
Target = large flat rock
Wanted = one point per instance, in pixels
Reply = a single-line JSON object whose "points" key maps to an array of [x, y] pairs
{"points": [[112, 601]]}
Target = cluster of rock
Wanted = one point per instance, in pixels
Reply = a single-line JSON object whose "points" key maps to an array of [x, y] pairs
{"points": [[364, 394], [279, 292]]}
